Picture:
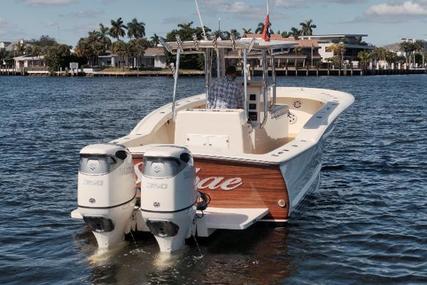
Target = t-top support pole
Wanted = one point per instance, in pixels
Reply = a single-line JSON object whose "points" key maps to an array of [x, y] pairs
{"points": [[245, 82], [265, 86], [273, 71], [178, 54]]}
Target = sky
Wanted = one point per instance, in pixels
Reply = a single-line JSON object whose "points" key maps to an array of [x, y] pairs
{"points": [[385, 21]]}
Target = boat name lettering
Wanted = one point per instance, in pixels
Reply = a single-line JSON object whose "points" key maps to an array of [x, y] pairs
{"points": [[94, 182], [218, 182], [157, 186], [207, 183]]}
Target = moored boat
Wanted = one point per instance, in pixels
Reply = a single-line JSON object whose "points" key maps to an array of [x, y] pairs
{"points": [[248, 165]]}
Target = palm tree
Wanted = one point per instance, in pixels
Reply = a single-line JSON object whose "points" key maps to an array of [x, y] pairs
{"points": [[408, 48], [117, 29], [364, 58], [186, 26], [307, 28], [103, 33], [419, 48], [234, 33], [122, 50], [338, 50], [285, 34], [154, 40], [136, 29], [247, 31], [259, 28], [295, 32], [379, 54], [103, 30], [136, 49]]}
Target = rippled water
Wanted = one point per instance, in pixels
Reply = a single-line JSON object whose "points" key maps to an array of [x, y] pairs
{"points": [[367, 224]]}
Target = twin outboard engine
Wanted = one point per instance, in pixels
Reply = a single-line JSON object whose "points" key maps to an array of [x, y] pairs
{"points": [[106, 191], [168, 195]]}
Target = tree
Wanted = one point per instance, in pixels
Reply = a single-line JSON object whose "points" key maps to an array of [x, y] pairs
{"points": [[6, 58], [307, 28], [45, 41], [103, 33], [247, 31], [136, 29], [408, 48], [285, 34], [92, 46], [379, 54], [364, 59], [186, 31], [57, 56], [136, 49], [259, 28], [338, 51], [19, 48], [419, 50], [235, 33], [117, 29], [295, 33], [121, 49], [155, 40]]}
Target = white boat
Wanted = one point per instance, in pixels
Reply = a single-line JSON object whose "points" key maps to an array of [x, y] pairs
{"points": [[255, 164]]}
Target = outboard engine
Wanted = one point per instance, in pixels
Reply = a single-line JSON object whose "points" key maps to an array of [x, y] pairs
{"points": [[106, 191], [168, 195]]}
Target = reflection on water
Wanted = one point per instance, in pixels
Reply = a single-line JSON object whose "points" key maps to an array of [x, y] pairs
{"points": [[366, 224], [225, 257]]}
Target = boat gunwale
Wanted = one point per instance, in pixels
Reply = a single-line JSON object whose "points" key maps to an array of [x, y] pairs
{"points": [[306, 138]]}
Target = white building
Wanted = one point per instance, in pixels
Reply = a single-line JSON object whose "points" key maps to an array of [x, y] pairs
{"points": [[353, 44], [30, 62], [154, 57]]}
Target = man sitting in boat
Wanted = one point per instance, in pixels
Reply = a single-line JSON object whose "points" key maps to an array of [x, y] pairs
{"points": [[226, 92]]}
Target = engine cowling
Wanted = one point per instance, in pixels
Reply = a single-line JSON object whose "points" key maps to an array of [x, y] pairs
{"points": [[168, 195], [106, 191]]}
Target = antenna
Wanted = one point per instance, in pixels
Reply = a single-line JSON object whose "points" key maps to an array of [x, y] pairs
{"points": [[268, 7], [200, 19]]}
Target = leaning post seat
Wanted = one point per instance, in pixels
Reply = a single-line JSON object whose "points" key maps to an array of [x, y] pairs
{"points": [[213, 130]]}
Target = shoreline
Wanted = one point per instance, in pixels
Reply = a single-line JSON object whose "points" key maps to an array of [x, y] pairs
{"points": [[287, 72]]}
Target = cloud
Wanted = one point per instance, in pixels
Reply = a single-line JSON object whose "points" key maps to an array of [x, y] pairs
{"points": [[49, 2], [396, 12], [83, 14], [241, 9], [407, 8], [303, 3]]}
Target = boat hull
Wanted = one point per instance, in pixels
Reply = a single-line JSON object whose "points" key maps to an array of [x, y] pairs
{"points": [[240, 185]]}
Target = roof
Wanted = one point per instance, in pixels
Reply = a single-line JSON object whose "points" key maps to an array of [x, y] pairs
{"points": [[333, 36], [154, 52], [303, 43], [188, 47], [24, 58]]}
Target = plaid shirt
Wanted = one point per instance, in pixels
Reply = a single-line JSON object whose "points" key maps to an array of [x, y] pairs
{"points": [[225, 93]]}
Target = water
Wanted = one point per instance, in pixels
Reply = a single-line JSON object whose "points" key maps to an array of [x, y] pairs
{"points": [[367, 224]]}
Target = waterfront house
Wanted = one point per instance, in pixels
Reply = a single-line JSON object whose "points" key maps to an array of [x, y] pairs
{"points": [[304, 54], [34, 63], [108, 60], [152, 58], [352, 43]]}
